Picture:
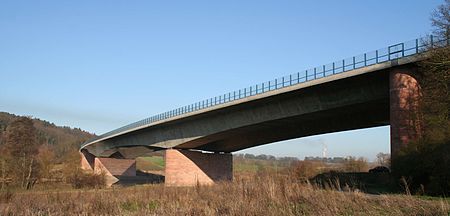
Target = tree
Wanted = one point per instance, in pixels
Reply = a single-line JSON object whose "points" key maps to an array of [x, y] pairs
{"points": [[384, 159], [435, 82], [20, 150], [46, 159], [426, 162], [440, 20]]}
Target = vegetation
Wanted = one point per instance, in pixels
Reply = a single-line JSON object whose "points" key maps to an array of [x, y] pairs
{"points": [[60, 140], [151, 163], [424, 165], [19, 154], [30, 148], [81, 179], [265, 193]]}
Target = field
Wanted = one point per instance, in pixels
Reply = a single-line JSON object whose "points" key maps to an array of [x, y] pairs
{"points": [[260, 187], [262, 194]]}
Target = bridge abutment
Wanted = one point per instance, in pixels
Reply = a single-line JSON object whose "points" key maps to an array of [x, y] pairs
{"points": [[189, 168], [405, 118]]}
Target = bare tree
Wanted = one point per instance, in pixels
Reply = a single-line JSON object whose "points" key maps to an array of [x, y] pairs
{"points": [[20, 151], [440, 20], [384, 159]]}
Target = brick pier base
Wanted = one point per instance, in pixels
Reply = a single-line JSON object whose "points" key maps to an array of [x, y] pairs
{"points": [[405, 118], [188, 168], [112, 168]]}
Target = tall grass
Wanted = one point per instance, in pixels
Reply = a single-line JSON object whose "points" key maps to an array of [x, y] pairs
{"points": [[263, 194]]}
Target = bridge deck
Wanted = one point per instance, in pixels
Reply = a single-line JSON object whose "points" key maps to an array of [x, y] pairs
{"points": [[398, 54]]}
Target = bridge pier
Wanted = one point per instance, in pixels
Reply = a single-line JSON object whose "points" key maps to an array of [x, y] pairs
{"points": [[405, 118], [189, 168], [87, 160], [113, 167]]}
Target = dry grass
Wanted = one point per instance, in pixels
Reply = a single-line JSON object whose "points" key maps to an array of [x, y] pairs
{"points": [[261, 195]]}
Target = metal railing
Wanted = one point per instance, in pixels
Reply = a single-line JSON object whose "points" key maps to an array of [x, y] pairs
{"points": [[389, 53]]}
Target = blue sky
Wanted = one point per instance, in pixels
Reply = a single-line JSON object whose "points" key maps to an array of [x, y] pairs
{"points": [[99, 65]]}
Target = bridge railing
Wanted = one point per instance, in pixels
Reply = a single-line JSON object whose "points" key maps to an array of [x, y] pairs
{"points": [[389, 53]]}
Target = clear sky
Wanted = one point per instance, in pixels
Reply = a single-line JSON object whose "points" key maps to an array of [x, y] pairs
{"points": [[99, 65]]}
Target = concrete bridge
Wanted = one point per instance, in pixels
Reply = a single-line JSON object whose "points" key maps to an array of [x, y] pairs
{"points": [[374, 89]]}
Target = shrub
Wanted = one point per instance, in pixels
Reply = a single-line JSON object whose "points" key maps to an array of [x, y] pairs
{"points": [[82, 179], [426, 166], [305, 170], [6, 196]]}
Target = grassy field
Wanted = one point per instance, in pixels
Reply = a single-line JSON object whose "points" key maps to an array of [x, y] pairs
{"points": [[153, 163], [260, 187], [262, 194]]}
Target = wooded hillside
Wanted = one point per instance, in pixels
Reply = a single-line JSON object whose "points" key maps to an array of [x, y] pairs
{"points": [[61, 139]]}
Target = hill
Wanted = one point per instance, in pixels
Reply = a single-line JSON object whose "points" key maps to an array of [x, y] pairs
{"points": [[61, 139]]}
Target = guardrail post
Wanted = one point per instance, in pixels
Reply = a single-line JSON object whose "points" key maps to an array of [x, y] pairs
{"points": [[376, 56], [389, 53], [343, 65], [290, 79], [333, 68], [417, 46], [354, 62], [403, 49], [324, 70], [365, 59], [315, 73]]}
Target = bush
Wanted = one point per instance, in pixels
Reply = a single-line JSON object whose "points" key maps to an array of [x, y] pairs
{"points": [[82, 179], [305, 170], [426, 166], [353, 164]]}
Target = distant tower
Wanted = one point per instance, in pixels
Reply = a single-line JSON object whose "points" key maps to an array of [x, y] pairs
{"points": [[324, 151]]}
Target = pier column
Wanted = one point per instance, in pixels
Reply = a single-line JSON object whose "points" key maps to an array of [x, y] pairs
{"points": [[405, 118], [188, 168]]}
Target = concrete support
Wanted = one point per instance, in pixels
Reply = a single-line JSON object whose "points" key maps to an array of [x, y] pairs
{"points": [[87, 160], [188, 168], [112, 168], [404, 108], [115, 167]]}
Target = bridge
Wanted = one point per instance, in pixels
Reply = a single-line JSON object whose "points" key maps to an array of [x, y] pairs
{"points": [[373, 89]]}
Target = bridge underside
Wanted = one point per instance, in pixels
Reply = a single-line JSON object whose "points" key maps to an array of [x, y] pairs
{"points": [[356, 116]]}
